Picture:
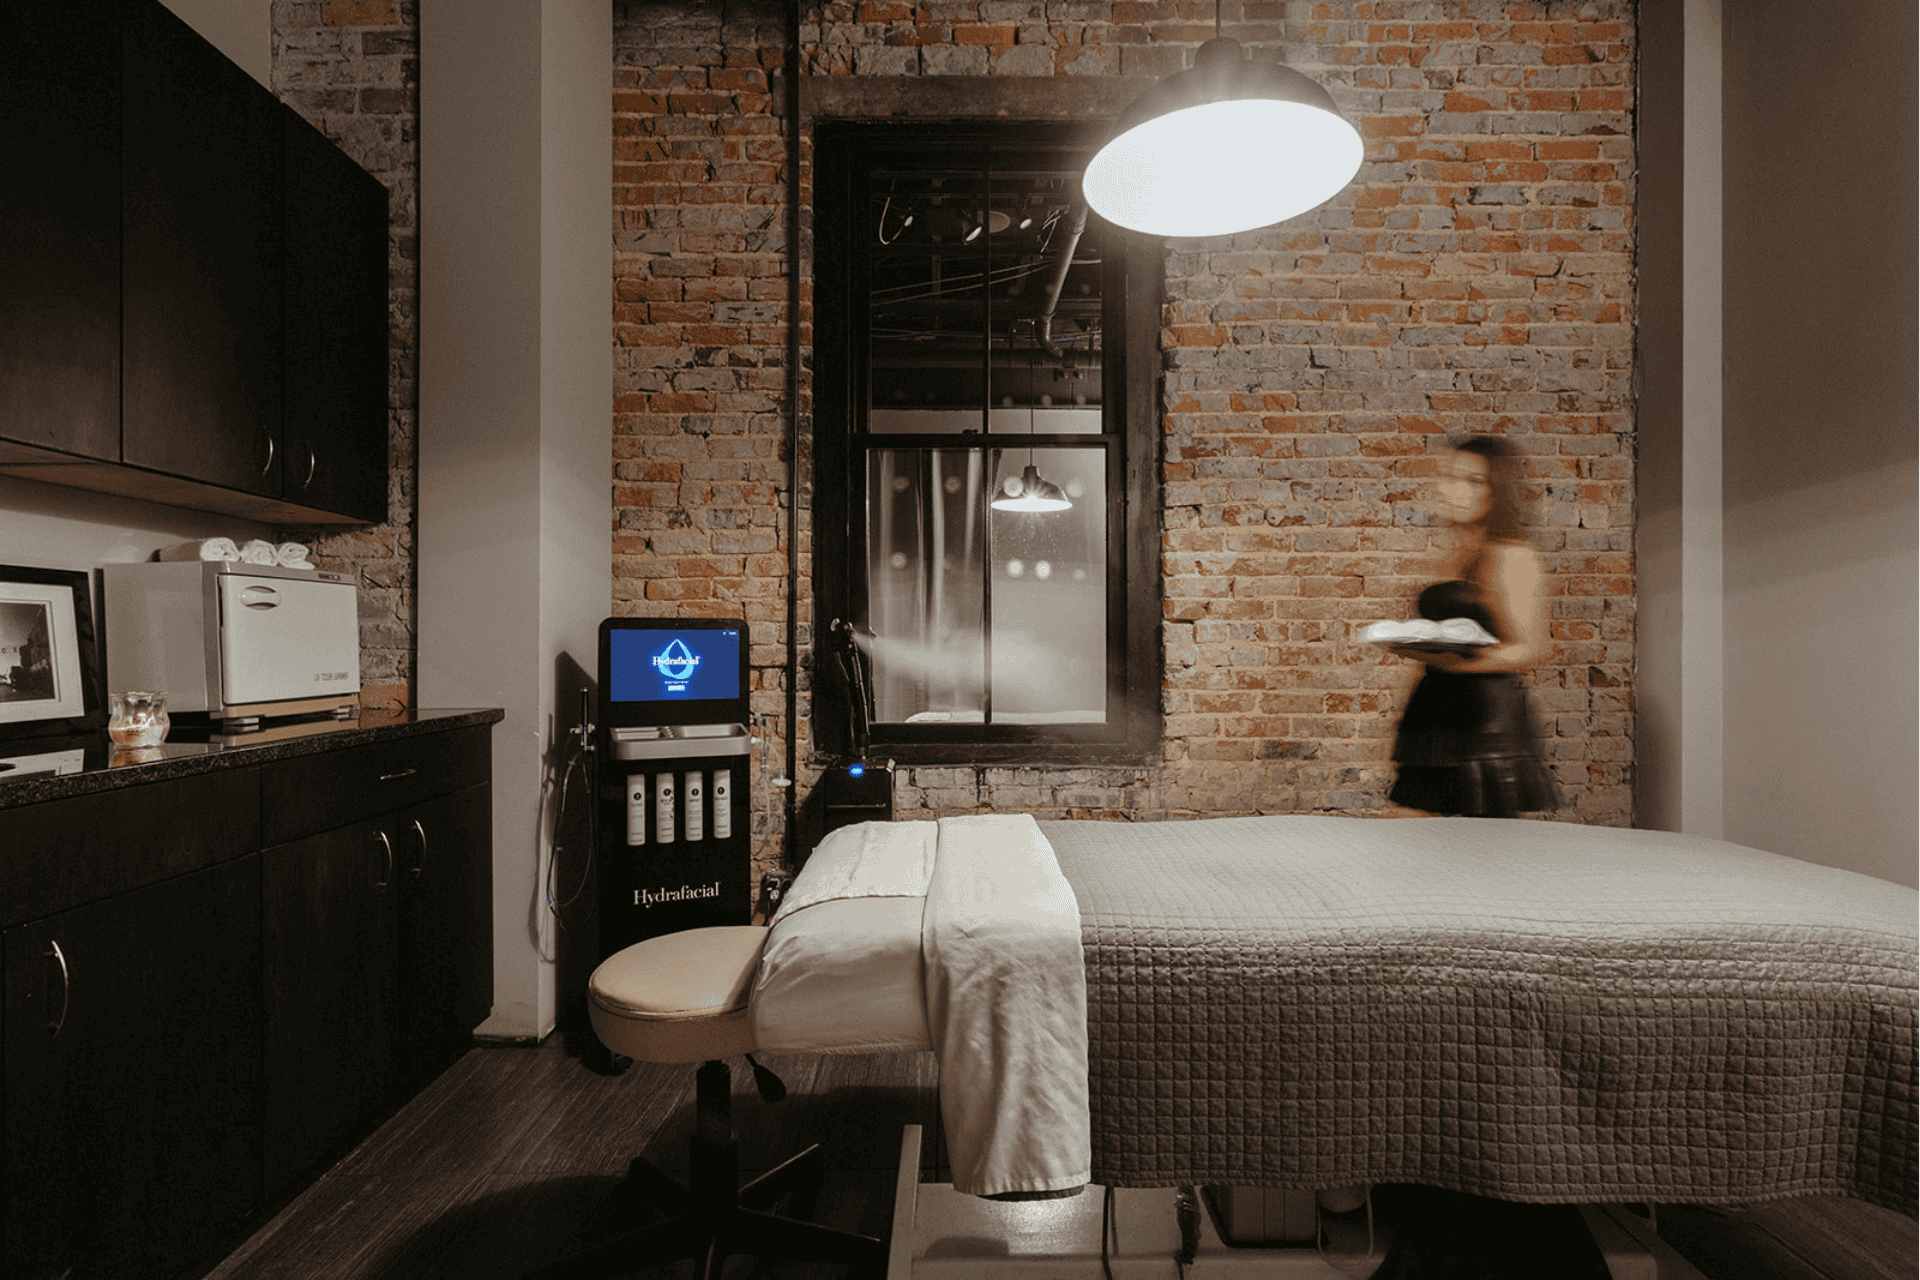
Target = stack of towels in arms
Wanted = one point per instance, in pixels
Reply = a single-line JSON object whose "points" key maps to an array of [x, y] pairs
{"points": [[285, 555], [1528, 1010]]}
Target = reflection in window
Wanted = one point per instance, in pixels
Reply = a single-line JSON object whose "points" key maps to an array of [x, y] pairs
{"points": [[981, 615]]}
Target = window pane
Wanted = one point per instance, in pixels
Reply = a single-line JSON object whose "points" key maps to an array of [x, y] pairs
{"points": [[985, 284], [926, 594], [938, 635], [1049, 634]]}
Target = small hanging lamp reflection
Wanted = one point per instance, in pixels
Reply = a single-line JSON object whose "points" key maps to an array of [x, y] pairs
{"points": [[1031, 492], [1035, 493]]}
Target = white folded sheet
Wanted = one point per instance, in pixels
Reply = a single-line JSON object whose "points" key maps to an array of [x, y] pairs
{"points": [[841, 968], [963, 937], [1007, 1009]]}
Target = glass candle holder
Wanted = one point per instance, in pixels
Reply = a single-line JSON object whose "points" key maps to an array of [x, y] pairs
{"points": [[138, 719]]}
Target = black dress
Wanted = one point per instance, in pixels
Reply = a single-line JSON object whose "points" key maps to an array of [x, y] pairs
{"points": [[1467, 743]]}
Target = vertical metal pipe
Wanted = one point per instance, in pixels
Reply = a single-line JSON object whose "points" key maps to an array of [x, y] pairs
{"points": [[791, 836]]}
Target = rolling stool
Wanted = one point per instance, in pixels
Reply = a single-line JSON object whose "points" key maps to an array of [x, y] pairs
{"points": [[682, 997]]}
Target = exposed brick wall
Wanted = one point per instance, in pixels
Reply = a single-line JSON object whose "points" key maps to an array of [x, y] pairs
{"points": [[700, 340], [1476, 277], [352, 68]]}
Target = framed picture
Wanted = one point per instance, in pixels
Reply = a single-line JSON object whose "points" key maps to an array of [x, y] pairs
{"points": [[49, 666]]}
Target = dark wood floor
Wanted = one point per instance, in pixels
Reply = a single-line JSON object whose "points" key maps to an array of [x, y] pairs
{"points": [[516, 1157]]}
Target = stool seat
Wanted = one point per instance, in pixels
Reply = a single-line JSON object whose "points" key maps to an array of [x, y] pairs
{"points": [[681, 997]]}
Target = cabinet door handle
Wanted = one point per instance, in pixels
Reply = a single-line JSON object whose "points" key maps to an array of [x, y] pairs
{"points": [[268, 464], [388, 846], [420, 867], [395, 777], [56, 1024], [313, 463]]}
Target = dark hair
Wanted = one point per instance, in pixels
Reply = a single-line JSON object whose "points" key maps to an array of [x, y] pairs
{"points": [[1503, 474]]}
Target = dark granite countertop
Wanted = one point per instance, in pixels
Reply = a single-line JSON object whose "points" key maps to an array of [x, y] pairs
{"points": [[35, 770]]}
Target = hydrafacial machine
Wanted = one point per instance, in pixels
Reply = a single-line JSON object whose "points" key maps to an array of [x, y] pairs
{"points": [[675, 830]]}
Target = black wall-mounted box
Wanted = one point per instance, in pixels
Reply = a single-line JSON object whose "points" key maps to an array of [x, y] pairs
{"points": [[857, 792]]}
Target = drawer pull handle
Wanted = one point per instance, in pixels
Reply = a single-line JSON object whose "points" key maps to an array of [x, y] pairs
{"points": [[388, 846], [56, 1024], [395, 777], [420, 866]]}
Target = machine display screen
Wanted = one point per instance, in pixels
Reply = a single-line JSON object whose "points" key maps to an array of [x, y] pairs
{"points": [[673, 664]]}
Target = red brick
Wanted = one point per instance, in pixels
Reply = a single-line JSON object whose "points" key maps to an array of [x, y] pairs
{"points": [[359, 13]]}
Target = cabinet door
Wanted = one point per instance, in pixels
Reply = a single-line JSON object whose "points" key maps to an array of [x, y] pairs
{"points": [[336, 326], [132, 1077], [332, 948], [60, 227], [202, 241], [446, 928]]}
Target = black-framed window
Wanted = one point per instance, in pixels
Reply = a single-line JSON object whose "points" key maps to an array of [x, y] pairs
{"points": [[986, 449]]}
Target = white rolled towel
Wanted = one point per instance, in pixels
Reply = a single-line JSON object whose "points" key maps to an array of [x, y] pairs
{"points": [[203, 549], [259, 551], [292, 555]]}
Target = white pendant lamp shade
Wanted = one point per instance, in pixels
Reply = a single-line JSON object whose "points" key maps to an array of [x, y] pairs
{"points": [[1035, 494], [1228, 145]]}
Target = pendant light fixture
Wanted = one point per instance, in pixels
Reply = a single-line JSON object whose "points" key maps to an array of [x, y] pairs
{"points": [[1034, 493], [1230, 144]]}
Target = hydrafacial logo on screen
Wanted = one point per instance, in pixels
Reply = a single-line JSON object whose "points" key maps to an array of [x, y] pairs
{"points": [[674, 666]]}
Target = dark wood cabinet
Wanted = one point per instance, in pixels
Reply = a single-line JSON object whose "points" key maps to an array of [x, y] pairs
{"points": [[331, 923], [132, 1077], [194, 1021], [60, 254], [195, 310], [378, 928], [201, 237], [335, 451], [378, 967], [446, 930]]}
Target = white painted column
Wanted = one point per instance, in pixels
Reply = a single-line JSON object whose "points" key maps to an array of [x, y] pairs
{"points": [[514, 543], [1702, 572]]}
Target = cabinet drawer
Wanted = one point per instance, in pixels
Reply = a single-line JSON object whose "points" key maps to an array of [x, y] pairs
{"points": [[318, 793], [64, 853]]}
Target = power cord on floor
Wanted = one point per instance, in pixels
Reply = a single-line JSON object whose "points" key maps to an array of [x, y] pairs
{"points": [[1186, 1212], [1106, 1233]]}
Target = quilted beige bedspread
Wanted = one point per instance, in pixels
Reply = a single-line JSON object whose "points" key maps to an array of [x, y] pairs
{"points": [[1531, 1010]]}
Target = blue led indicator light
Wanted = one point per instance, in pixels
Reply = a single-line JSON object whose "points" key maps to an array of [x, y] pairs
{"points": [[856, 770]]}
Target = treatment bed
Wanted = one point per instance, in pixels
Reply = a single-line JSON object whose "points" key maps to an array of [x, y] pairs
{"points": [[1529, 1010]]}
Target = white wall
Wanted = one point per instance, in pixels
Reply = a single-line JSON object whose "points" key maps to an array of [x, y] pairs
{"points": [[516, 379], [1821, 321], [241, 29], [1779, 682], [56, 528]]}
